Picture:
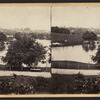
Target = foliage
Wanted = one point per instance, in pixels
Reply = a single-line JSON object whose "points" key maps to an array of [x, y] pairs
{"points": [[34, 35], [74, 84], [57, 84], [60, 30], [23, 85], [2, 46], [17, 36], [2, 37], [89, 36], [96, 58], [13, 85], [24, 51], [89, 85], [41, 35]]}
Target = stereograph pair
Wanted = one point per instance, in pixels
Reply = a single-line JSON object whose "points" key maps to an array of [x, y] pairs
{"points": [[49, 49]]}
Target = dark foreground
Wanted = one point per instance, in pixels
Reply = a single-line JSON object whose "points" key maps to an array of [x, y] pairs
{"points": [[57, 84]]}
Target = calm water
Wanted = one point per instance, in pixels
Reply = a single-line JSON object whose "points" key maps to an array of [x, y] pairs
{"points": [[43, 42], [80, 53]]}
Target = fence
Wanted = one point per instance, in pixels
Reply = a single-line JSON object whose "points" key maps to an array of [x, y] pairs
{"points": [[72, 65]]}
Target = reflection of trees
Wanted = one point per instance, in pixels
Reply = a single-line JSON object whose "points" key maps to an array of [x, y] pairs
{"points": [[85, 47], [91, 46], [2, 46]]}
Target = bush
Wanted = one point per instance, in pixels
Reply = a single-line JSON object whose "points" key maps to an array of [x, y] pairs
{"points": [[12, 86], [89, 85], [57, 84]]}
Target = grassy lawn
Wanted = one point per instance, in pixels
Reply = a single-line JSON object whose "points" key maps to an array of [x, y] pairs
{"points": [[72, 65], [72, 39], [57, 84]]}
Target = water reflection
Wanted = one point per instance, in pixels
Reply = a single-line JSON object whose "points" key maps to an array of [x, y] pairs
{"points": [[85, 47], [79, 53], [91, 46]]}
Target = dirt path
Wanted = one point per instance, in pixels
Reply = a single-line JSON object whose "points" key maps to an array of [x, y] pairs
{"points": [[35, 74], [48, 74], [73, 71]]}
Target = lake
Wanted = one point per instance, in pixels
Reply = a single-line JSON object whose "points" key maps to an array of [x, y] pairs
{"points": [[79, 53], [43, 42]]}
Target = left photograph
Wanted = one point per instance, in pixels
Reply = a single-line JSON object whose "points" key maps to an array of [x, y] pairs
{"points": [[25, 55]]}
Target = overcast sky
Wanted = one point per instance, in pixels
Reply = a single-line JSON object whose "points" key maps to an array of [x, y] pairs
{"points": [[36, 18], [76, 16]]}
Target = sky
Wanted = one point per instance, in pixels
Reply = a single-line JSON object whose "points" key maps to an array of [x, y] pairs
{"points": [[76, 16], [36, 18]]}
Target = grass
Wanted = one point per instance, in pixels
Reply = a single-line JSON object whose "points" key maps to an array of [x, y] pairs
{"points": [[72, 39], [72, 65], [57, 84]]}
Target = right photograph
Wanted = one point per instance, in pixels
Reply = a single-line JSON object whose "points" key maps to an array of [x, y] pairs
{"points": [[75, 38]]}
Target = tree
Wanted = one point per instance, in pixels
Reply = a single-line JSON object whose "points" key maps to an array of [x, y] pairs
{"points": [[17, 35], [2, 37], [24, 51], [89, 36], [60, 30], [86, 35], [34, 35], [2, 46], [93, 36], [96, 58]]}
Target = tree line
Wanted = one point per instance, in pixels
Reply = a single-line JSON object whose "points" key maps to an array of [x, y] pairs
{"points": [[60, 30]]}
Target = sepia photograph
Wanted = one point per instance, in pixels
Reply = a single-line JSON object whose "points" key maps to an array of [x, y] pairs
{"points": [[75, 37], [49, 50], [24, 49]]}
